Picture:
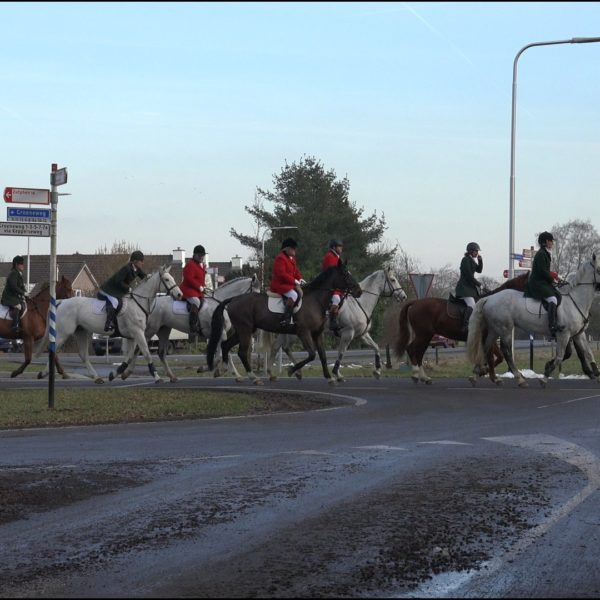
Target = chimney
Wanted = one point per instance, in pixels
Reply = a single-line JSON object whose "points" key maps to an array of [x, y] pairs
{"points": [[179, 256], [236, 263]]}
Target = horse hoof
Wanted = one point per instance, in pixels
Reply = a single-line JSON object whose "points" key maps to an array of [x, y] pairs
{"points": [[159, 380], [98, 380], [217, 373], [376, 374], [416, 380], [332, 382], [273, 378], [523, 384], [40, 375], [543, 382], [258, 382], [298, 375], [428, 381], [239, 380], [111, 376], [13, 374], [498, 381], [173, 379]]}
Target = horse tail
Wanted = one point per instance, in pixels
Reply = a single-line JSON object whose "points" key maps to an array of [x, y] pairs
{"points": [[403, 338], [475, 351], [216, 331]]}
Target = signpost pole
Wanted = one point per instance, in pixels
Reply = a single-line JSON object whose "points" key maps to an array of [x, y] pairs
{"points": [[52, 307]]}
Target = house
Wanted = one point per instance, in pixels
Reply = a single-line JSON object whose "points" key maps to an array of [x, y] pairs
{"points": [[88, 271]]}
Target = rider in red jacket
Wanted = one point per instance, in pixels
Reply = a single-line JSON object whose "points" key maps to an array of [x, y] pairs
{"points": [[192, 286], [286, 278], [332, 259]]}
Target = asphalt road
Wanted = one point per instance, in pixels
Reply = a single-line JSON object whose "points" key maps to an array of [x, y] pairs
{"points": [[396, 491]]}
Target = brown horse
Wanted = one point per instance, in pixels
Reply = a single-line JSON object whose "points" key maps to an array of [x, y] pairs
{"points": [[33, 322], [250, 312], [420, 319]]}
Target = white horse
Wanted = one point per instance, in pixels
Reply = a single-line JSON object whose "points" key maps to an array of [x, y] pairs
{"points": [[81, 317], [170, 314], [498, 314], [354, 319]]}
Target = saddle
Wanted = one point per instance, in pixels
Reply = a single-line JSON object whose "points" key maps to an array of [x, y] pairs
{"points": [[183, 307], [455, 307], [535, 306], [276, 303], [4, 311]]}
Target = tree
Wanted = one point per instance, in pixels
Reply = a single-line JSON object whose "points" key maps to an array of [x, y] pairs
{"points": [[575, 243], [314, 200]]}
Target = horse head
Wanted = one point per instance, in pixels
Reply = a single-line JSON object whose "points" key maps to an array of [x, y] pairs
{"points": [[396, 290], [170, 285], [348, 283], [64, 289]]}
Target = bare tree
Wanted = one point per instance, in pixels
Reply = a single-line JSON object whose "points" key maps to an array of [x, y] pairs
{"points": [[576, 241], [444, 281]]}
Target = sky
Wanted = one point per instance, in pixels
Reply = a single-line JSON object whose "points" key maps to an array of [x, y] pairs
{"points": [[168, 117]]}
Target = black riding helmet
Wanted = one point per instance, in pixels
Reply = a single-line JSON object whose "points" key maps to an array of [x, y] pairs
{"points": [[199, 249], [137, 255], [335, 242], [289, 243], [472, 246], [18, 260], [544, 237]]}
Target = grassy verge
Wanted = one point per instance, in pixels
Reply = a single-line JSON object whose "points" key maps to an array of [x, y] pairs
{"points": [[29, 408]]}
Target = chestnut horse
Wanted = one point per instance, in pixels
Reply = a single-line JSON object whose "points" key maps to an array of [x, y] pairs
{"points": [[33, 322], [420, 319]]}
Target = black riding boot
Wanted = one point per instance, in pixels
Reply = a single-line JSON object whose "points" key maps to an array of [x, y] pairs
{"points": [[111, 314], [287, 315], [14, 313], [553, 319], [194, 320], [466, 316]]}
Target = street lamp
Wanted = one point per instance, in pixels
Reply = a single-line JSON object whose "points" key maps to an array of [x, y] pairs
{"points": [[262, 278], [511, 230]]}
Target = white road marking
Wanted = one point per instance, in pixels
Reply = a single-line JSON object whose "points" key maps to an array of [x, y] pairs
{"points": [[569, 401], [381, 447], [446, 443]]}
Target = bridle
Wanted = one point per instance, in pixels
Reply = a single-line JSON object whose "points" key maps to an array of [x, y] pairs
{"points": [[596, 285], [386, 283], [151, 300]]}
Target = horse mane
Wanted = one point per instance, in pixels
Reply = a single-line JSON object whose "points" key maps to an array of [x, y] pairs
{"points": [[319, 279]]}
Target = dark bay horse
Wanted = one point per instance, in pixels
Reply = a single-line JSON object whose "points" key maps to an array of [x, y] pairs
{"points": [[33, 322], [250, 312], [420, 319]]}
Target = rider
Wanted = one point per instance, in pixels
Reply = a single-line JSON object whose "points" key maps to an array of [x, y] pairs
{"points": [[467, 288], [13, 295], [541, 279], [192, 285], [286, 278], [117, 285], [332, 259]]}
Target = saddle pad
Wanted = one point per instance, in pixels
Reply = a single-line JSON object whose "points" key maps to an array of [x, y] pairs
{"points": [[4, 312], [534, 306], [180, 307], [276, 305], [455, 310], [98, 306]]}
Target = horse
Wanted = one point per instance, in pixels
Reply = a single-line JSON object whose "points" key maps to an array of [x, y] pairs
{"points": [[251, 312], [172, 314], [354, 319], [497, 315], [82, 317], [420, 319], [33, 322]]}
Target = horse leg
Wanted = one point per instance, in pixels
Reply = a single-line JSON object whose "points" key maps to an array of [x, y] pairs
{"points": [[319, 342], [307, 342], [126, 368], [561, 343], [370, 342], [27, 352], [585, 355], [416, 351], [245, 338], [345, 339], [505, 347], [163, 345]]}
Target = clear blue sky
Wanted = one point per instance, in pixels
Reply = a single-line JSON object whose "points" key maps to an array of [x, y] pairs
{"points": [[168, 117]]}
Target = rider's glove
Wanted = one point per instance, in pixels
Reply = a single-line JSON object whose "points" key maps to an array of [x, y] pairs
{"points": [[302, 282], [296, 282], [201, 288]]}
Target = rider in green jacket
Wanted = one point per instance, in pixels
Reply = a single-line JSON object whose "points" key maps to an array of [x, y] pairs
{"points": [[13, 294], [467, 288], [116, 286], [541, 279]]}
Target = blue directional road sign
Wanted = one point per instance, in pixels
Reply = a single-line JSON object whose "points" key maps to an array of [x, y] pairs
{"points": [[28, 215]]}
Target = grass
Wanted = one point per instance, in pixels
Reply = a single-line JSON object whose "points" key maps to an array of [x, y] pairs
{"points": [[29, 408]]}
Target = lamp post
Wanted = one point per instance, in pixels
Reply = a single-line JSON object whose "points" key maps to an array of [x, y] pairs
{"points": [[262, 277], [511, 229]]}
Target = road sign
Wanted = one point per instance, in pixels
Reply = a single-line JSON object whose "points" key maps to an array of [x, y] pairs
{"points": [[25, 229], [59, 177], [517, 256], [421, 283], [28, 215], [26, 195], [529, 252], [525, 263]]}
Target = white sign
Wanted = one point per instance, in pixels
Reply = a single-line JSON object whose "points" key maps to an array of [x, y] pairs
{"points": [[421, 283], [25, 229], [28, 215], [14, 195], [59, 177]]}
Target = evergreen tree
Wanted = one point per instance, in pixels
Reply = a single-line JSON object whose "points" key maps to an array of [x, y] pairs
{"points": [[315, 201]]}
